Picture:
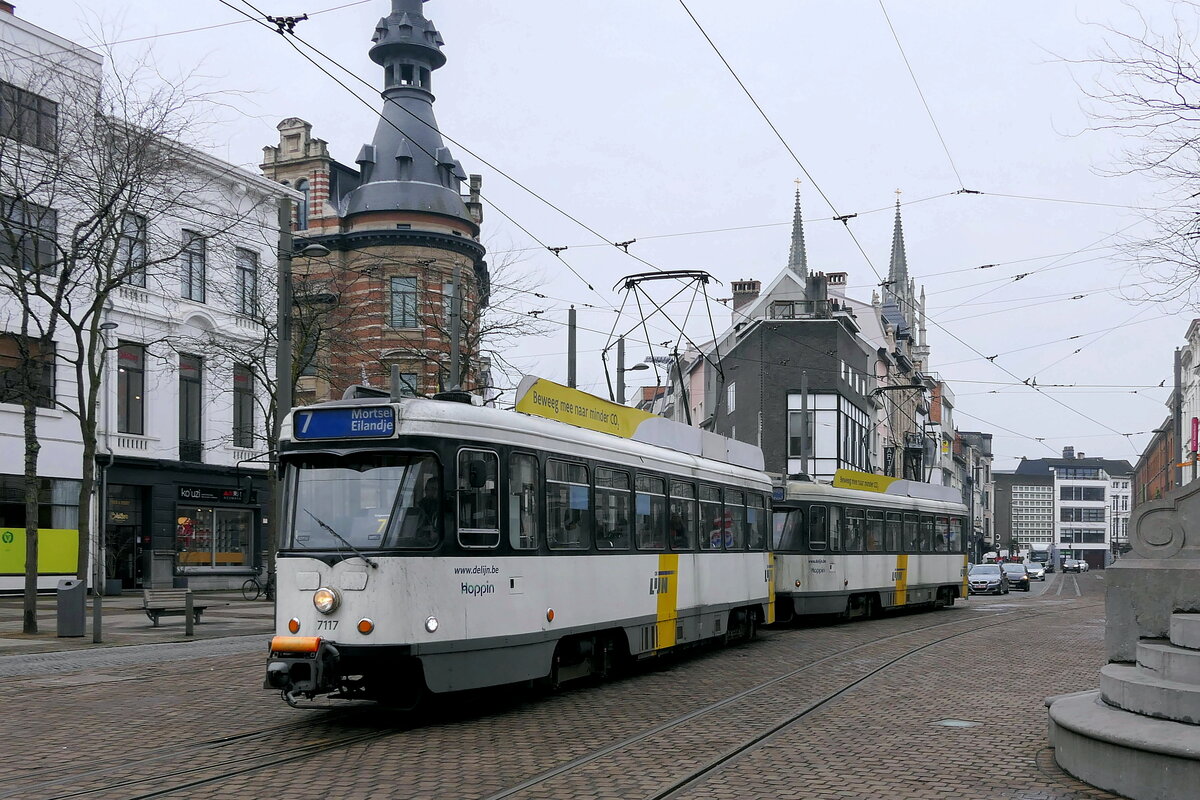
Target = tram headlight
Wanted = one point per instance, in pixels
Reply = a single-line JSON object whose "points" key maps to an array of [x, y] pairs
{"points": [[431, 624], [326, 600]]}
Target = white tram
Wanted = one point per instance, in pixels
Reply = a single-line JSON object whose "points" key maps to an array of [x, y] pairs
{"points": [[431, 545], [852, 553]]}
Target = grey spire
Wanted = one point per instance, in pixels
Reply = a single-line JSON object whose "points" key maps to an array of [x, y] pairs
{"points": [[897, 291], [408, 166], [898, 272], [798, 258]]}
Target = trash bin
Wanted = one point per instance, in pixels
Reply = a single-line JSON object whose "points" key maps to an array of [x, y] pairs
{"points": [[72, 607]]}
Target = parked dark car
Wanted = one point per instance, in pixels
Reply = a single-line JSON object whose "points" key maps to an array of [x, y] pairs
{"points": [[1018, 576], [987, 579]]}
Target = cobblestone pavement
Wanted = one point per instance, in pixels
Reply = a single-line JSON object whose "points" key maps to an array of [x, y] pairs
{"points": [[851, 712]]}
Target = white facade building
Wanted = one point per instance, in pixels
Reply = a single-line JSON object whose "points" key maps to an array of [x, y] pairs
{"points": [[178, 416]]}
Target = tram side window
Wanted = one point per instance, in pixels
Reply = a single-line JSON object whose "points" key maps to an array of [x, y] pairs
{"points": [[613, 512], [788, 533], [854, 530], [941, 535], [910, 533], [710, 518], [651, 513], [818, 519], [735, 520], [757, 522], [478, 498], [874, 531], [926, 534], [523, 496], [835, 528], [955, 540], [683, 516], [568, 506], [892, 532]]}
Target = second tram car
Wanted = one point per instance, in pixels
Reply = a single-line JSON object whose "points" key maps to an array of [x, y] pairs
{"points": [[430, 545], [853, 553]]}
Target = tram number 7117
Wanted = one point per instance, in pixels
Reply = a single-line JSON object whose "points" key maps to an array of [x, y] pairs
{"points": [[327, 624]]}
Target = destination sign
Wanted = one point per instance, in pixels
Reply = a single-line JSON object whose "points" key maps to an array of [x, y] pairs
{"points": [[370, 422]]}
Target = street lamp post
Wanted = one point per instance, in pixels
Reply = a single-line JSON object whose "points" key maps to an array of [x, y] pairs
{"points": [[621, 370]]}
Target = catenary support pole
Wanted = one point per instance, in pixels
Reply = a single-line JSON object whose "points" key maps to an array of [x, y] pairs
{"points": [[571, 348], [621, 370], [283, 365], [455, 332], [804, 422]]}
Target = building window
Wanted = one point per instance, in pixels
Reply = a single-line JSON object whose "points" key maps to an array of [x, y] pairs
{"points": [[243, 407], [730, 398], [247, 280], [795, 445], [408, 384], [191, 382], [28, 235], [131, 250], [28, 118], [404, 303], [302, 206], [131, 385], [192, 275], [208, 538], [26, 369]]}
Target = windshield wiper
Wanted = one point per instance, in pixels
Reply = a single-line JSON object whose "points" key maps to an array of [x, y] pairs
{"points": [[341, 539]]}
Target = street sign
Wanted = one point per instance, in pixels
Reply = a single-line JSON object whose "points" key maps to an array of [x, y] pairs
{"points": [[370, 422]]}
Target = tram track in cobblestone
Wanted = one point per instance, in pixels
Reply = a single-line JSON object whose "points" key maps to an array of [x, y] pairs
{"points": [[290, 753], [167, 782], [696, 776]]}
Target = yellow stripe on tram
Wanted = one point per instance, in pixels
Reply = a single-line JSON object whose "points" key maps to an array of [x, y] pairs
{"points": [[667, 589], [965, 591], [770, 588], [900, 576]]}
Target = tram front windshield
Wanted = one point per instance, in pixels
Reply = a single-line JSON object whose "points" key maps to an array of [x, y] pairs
{"points": [[367, 500]]}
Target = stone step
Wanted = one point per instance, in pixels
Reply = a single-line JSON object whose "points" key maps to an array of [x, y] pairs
{"points": [[1142, 692], [1185, 630], [1168, 661], [1134, 756]]}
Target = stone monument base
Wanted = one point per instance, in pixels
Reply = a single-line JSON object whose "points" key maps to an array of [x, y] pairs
{"points": [[1139, 735]]}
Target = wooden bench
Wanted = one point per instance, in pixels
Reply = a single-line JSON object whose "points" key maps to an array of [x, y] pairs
{"points": [[169, 602]]}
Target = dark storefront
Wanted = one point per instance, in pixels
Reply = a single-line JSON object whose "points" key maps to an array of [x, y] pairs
{"points": [[168, 523]]}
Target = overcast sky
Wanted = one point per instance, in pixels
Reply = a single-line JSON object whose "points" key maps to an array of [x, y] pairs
{"points": [[621, 115]]}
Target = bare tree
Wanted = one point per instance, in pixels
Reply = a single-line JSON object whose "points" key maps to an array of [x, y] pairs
{"points": [[1147, 89], [92, 196]]}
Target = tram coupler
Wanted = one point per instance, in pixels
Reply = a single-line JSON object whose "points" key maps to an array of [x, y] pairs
{"points": [[301, 665]]}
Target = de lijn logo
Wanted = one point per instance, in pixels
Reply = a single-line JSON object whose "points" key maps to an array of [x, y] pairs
{"points": [[7, 537]]}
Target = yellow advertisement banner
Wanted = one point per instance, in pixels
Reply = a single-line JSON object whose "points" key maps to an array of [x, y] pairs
{"points": [[58, 551], [863, 481], [555, 401]]}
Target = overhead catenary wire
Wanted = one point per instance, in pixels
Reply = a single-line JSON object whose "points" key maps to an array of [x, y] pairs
{"points": [[921, 93]]}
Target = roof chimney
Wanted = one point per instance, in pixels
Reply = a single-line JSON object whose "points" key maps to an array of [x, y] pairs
{"points": [[7, 7], [1081, 455], [837, 283], [1069, 452], [744, 293]]}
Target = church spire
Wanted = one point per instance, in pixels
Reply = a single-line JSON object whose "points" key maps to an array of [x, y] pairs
{"points": [[798, 258], [898, 271]]}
